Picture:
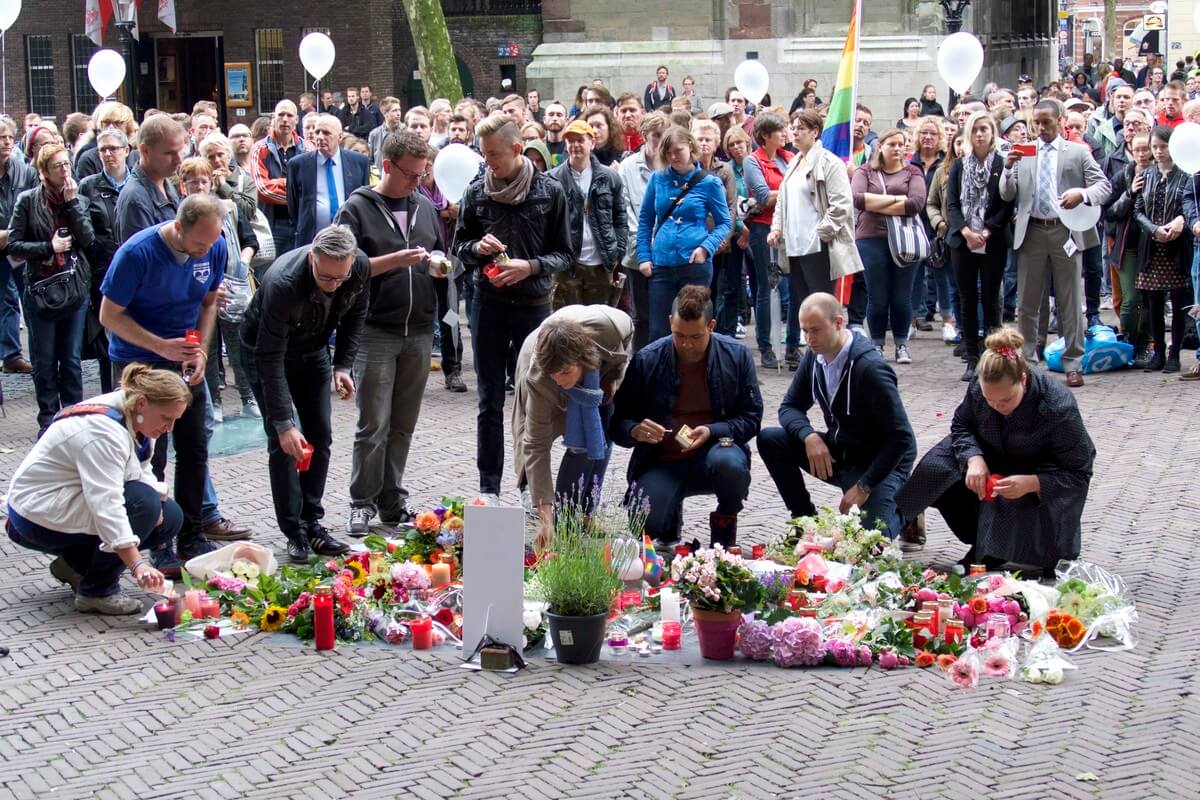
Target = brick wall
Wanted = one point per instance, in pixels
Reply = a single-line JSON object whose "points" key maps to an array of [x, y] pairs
{"points": [[372, 38]]}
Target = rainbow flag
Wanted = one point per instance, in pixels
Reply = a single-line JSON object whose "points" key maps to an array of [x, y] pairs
{"points": [[652, 564], [837, 136]]}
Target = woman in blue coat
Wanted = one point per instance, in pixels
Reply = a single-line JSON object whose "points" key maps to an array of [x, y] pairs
{"points": [[675, 245]]}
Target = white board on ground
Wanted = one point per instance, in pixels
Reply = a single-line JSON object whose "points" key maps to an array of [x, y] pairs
{"points": [[494, 565]]}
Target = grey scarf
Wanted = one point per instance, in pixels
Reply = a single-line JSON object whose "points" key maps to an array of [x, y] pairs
{"points": [[974, 190], [511, 192]]}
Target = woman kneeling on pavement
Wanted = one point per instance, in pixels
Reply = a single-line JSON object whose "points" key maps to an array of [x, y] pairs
{"points": [[1012, 477], [85, 492]]}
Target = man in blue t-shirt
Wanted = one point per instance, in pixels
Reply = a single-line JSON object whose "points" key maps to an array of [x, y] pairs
{"points": [[160, 306]]}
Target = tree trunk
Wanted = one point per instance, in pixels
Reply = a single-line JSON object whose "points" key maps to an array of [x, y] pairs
{"points": [[1112, 37], [435, 54]]}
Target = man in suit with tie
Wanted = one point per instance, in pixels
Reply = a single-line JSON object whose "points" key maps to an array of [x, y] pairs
{"points": [[1062, 174], [320, 181]]}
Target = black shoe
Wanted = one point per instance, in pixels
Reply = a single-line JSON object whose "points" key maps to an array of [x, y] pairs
{"points": [[508, 386], [924, 325], [1093, 320], [394, 519], [968, 373], [321, 540], [196, 546], [769, 361], [912, 535], [1172, 363], [3, 651], [298, 552], [791, 358], [958, 350], [166, 562], [454, 383], [1141, 358], [722, 529], [1155, 363]]}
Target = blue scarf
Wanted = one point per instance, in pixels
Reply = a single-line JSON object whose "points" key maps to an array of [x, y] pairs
{"points": [[584, 430]]}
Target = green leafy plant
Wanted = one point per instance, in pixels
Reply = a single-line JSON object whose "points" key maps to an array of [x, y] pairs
{"points": [[577, 577]]}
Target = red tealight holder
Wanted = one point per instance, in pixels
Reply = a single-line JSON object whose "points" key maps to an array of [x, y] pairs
{"points": [[305, 459], [167, 614], [422, 633], [210, 608], [758, 552], [672, 635], [191, 336]]}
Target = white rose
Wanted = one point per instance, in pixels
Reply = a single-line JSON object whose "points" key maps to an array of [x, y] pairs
{"points": [[1053, 675], [531, 618], [1032, 674]]}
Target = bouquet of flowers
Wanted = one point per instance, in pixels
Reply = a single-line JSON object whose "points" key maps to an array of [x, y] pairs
{"points": [[433, 532], [1098, 599], [840, 537], [715, 580]]}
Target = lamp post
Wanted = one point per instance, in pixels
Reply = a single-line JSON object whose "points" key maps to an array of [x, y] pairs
{"points": [[125, 14], [954, 21]]}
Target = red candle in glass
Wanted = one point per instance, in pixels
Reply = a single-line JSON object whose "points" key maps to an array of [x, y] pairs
{"points": [[954, 631], [422, 633], [672, 635], [323, 617], [167, 614], [210, 607], [682, 550], [191, 336], [758, 552]]}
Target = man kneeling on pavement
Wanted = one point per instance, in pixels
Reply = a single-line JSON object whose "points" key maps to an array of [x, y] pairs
{"points": [[688, 407], [868, 448]]}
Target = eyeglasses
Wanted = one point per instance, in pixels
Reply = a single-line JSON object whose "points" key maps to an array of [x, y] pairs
{"points": [[61, 166], [111, 148], [412, 176], [332, 278]]}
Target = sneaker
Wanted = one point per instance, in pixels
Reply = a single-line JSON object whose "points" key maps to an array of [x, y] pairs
{"points": [[924, 325], [298, 552], [197, 546], [114, 604], [166, 561], [740, 333], [949, 333], [218, 414], [508, 386], [879, 349], [454, 383], [1106, 303], [902, 354], [360, 521], [250, 409], [769, 361], [64, 572], [394, 519], [321, 541]]}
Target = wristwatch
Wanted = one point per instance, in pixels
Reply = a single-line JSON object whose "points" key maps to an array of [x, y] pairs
{"points": [[862, 487]]}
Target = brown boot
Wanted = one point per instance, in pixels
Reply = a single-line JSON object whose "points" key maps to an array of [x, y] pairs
{"points": [[723, 528]]}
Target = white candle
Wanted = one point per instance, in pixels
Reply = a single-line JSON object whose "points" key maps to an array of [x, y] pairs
{"points": [[669, 601], [441, 575]]}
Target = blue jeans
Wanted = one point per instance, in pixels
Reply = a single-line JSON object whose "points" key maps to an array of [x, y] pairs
{"points": [[889, 291], [101, 571], [723, 471], [1195, 280], [787, 462], [10, 313], [761, 254], [665, 283], [54, 349], [496, 326], [920, 290]]}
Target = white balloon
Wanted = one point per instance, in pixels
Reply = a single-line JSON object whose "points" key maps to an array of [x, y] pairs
{"points": [[454, 168], [316, 54], [106, 71], [960, 57], [751, 80], [9, 11], [1080, 218], [1185, 147]]}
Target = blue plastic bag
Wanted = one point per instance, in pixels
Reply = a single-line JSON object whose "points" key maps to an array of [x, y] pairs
{"points": [[1101, 351]]}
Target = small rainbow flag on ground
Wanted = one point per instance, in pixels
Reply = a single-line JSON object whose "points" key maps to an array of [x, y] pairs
{"points": [[653, 567], [838, 134]]}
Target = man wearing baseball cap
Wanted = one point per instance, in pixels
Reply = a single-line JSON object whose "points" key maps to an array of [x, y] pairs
{"points": [[722, 114], [599, 232]]}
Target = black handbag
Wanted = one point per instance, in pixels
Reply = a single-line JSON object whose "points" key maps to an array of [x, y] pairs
{"points": [[61, 294]]}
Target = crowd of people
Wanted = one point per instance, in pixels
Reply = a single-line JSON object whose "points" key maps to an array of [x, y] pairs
{"points": [[608, 257]]}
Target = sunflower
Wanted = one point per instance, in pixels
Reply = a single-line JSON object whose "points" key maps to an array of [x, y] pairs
{"points": [[239, 619], [360, 575], [273, 618]]}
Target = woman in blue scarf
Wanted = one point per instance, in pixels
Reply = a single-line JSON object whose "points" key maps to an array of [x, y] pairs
{"points": [[567, 372]]}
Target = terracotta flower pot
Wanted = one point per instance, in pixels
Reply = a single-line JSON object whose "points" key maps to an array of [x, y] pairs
{"points": [[717, 632]]}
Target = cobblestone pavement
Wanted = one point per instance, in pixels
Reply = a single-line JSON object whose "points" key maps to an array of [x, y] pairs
{"points": [[96, 707]]}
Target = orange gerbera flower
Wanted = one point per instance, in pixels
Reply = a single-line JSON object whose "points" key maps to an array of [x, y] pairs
{"points": [[925, 659], [979, 605], [1038, 628], [427, 522]]}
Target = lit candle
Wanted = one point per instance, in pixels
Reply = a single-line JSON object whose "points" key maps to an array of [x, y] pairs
{"points": [[323, 617], [167, 614], [440, 575], [210, 607], [422, 633], [191, 601], [672, 633], [448, 560], [669, 604]]}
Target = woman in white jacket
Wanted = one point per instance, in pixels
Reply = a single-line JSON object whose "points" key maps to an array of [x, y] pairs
{"points": [[814, 221], [85, 492]]}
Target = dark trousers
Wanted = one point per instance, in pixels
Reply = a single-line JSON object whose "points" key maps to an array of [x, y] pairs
{"points": [[809, 275], [980, 278], [452, 348], [101, 571], [54, 350], [1156, 304], [297, 495], [639, 295], [787, 462], [495, 329], [723, 471], [856, 309], [727, 283], [582, 478], [10, 312], [1093, 278], [191, 455]]}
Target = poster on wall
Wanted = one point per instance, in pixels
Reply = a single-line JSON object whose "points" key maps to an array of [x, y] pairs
{"points": [[238, 93]]}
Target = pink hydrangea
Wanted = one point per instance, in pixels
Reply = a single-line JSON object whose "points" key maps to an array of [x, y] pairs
{"points": [[798, 642], [226, 584], [410, 575], [756, 640]]}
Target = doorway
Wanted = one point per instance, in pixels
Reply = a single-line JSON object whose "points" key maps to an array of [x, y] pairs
{"points": [[187, 69]]}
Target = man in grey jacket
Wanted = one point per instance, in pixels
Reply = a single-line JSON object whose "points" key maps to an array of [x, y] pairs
{"points": [[396, 226]]}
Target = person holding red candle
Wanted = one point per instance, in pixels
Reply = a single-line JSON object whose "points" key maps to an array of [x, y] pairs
{"points": [[1025, 426]]}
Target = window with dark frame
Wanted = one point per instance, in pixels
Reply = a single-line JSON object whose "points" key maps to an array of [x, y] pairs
{"points": [[82, 50], [39, 55], [268, 63], [326, 84]]}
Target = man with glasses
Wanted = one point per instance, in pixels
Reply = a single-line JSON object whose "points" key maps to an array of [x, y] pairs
{"points": [[396, 226], [320, 181], [307, 295], [16, 175]]}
